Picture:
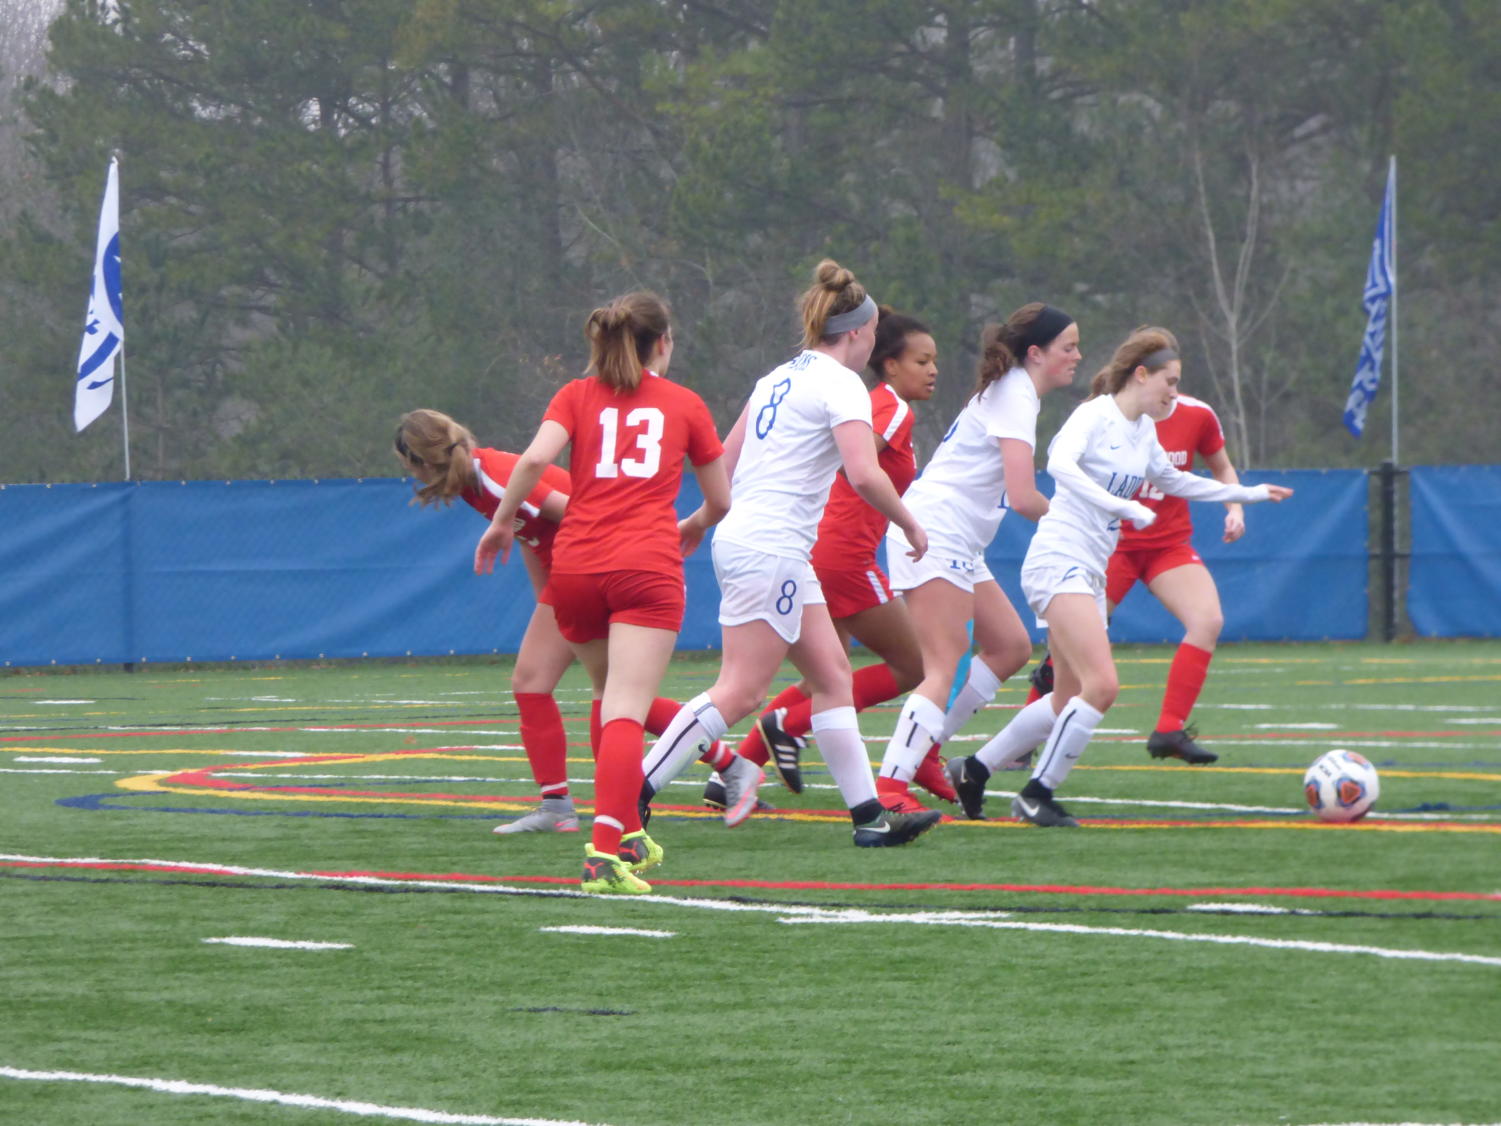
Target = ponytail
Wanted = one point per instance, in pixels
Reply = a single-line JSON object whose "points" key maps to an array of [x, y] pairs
{"points": [[1005, 345], [834, 292], [622, 336]]}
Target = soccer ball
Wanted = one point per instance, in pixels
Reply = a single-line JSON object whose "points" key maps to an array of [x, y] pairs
{"points": [[1341, 786]]}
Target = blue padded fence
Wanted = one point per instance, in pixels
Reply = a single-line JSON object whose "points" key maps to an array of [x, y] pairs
{"points": [[1454, 582], [256, 570]]}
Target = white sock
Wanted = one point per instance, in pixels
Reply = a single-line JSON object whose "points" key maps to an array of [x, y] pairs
{"points": [[698, 721], [916, 731], [1027, 729], [1071, 734], [837, 734], [978, 691]]}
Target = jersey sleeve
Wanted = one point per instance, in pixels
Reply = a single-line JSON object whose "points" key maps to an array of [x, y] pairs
{"points": [[1069, 445], [847, 399], [703, 437], [1211, 434], [563, 409], [1190, 486], [887, 413], [1009, 412]]}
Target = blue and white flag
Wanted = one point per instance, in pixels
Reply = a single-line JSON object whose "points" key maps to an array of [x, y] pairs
{"points": [[1379, 284], [104, 327]]}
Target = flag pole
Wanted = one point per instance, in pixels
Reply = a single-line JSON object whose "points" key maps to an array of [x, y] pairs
{"points": [[1392, 174], [124, 402]]}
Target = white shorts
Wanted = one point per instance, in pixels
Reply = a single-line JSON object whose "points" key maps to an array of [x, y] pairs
{"points": [[1041, 581], [907, 574], [757, 587]]}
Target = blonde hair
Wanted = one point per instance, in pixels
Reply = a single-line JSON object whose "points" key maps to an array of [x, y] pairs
{"points": [[433, 441], [834, 291], [1139, 346], [622, 335]]}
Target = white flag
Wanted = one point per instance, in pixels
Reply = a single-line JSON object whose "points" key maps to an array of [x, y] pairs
{"points": [[104, 327]]}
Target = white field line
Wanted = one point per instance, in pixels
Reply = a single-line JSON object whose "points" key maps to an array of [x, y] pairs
{"points": [[254, 1095], [796, 914], [608, 931], [936, 919], [53, 758], [279, 943]]}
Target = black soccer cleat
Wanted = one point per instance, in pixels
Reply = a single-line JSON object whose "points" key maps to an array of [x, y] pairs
{"points": [[969, 777], [892, 829], [1042, 676], [1035, 804], [1179, 744], [786, 751]]}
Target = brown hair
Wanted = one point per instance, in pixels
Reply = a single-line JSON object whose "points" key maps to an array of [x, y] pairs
{"points": [[1004, 346], [622, 335], [892, 331], [1143, 341], [434, 441], [834, 290]]}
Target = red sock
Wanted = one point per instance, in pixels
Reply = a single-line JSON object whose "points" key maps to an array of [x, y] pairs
{"points": [[617, 783], [545, 741], [1185, 679], [1033, 695], [660, 714], [799, 717], [595, 727], [753, 747], [892, 786], [874, 684]]}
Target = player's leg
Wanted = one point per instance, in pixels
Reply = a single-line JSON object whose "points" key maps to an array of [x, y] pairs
{"points": [[1190, 595], [540, 663]]}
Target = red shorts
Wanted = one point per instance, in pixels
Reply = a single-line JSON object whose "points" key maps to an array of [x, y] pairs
{"points": [[585, 605], [849, 592], [1127, 568]]}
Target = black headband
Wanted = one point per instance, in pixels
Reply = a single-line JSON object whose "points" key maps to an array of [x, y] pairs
{"points": [[1158, 359], [1043, 330]]}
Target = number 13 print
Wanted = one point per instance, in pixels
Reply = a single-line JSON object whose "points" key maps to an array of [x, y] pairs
{"points": [[648, 442]]}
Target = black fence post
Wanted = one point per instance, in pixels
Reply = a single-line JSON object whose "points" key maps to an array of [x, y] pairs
{"points": [[1388, 491]]}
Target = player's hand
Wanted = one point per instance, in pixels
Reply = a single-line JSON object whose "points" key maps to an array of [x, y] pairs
{"points": [[497, 540], [1278, 493], [1141, 516], [918, 539], [690, 535], [1235, 523]]}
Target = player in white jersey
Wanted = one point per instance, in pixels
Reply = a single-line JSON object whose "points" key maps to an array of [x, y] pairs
{"points": [[1099, 459], [983, 468], [803, 422]]}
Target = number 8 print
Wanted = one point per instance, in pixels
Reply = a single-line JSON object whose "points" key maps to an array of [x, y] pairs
{"points": [[789, 592], [764, 420]]}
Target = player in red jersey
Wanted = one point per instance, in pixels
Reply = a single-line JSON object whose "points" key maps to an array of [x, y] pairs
{"points": [[1162, 556], [617, 577], [450, 464], [904, 364]]}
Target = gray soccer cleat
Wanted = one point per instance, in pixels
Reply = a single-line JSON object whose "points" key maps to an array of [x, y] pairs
{"points": [[555, 815]]}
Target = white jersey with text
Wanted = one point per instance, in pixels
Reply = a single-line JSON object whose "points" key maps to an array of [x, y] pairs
{"points": [[1099, 459], [960, 498], [789, 457]]}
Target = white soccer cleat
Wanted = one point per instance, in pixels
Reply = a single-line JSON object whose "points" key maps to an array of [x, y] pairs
{"points": [[554, 816], [742, 778]]}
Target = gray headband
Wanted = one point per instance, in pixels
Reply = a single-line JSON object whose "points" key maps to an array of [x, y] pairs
{"points": [[848, 322], [1158, 359]]}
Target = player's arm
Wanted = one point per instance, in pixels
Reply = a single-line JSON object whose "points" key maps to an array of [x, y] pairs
{"points": [[1068, 447], [1224, 472], [1022, 494], [549, 442], [867, 478], [553, 507], [714, 483], [734, 442]]}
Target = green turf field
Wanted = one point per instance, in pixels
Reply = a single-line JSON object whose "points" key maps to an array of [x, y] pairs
{"points": [[1200, 952]]}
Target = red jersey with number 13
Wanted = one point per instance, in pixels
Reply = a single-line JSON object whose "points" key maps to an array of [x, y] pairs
{"points": [[1192, 428], [626, 466], [851, 528]]}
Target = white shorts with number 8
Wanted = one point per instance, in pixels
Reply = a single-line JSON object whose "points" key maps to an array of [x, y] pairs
{"points": [[755, 586]]}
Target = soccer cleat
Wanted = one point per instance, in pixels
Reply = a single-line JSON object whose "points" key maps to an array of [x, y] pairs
{"points": [[931, 777], [1042, 676], [640, 852], [558, 819], [714, 796], [608, 875], [892, 829], [786, 751], [965, 774], [1035, 804], [901, 803], [1179, 744], [742, 778]]}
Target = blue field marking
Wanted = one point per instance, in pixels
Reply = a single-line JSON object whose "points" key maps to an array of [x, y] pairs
{"points": [[101, 803]]}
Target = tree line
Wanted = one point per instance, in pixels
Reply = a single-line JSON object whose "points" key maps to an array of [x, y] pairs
{"points": [[337, 210]]}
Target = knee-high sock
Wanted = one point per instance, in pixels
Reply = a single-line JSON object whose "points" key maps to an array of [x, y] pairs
{"points": [[596, 726], [979, 689], [753, 747], [1071, 734], [838, 736], [698, 721], [661, 713], [545, 742], [1185, 680], [916, 732], [1027, 729], [617, 783]]}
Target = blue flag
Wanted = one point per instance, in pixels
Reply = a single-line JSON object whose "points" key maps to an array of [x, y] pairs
{"points": [[104, 326], [1379, 285]]}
